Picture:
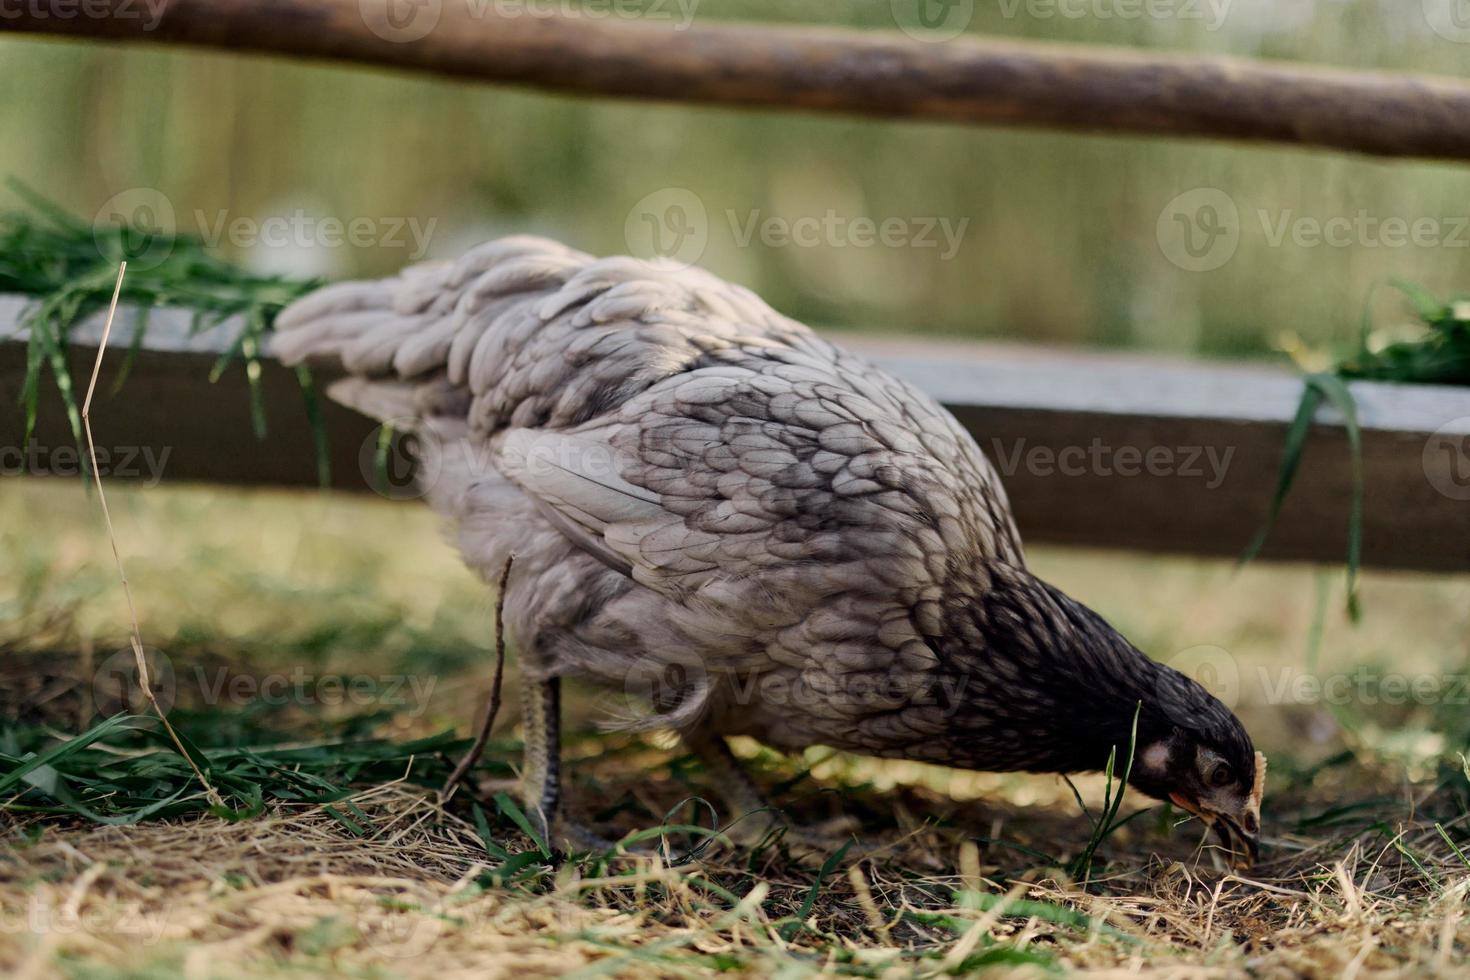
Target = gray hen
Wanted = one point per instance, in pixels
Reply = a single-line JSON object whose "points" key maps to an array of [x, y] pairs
{"points": [[747, 528]]}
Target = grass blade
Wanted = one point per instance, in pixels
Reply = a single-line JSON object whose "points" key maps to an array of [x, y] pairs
{"points": [[1291, 457]]}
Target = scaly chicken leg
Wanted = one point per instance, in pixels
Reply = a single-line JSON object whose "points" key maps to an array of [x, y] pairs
{"points": [[541, 767]]}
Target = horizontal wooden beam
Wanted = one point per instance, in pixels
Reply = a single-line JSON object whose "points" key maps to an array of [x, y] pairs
{"points": [[900, 74], [1099, 450]]}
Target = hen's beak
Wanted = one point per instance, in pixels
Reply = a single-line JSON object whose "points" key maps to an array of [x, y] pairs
{"points": [[1242, 837], [1240, 833]]}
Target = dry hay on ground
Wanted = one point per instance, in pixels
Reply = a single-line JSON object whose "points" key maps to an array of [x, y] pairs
{"points": [[297, 891]]}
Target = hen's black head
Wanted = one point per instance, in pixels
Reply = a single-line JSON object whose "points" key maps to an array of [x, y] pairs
{"points": [[1074, 687], [1205, 765]]}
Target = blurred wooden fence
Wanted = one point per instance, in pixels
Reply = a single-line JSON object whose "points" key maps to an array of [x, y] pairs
{"points": [[1110, 451], [914, 73], [1115, 451]]}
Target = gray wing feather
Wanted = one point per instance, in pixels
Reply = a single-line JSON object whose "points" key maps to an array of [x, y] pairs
{"points": [[703, 435]]}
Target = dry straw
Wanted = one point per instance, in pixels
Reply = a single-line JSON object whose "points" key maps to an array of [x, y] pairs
{"points": [[136, 637]]}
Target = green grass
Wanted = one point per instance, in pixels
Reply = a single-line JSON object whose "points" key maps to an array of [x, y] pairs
{"points": [[70, 268], [1437, 353], [331, 843], [124, 769], [1107, 822]]}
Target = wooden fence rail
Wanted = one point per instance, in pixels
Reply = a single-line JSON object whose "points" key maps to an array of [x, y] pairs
{"points": [[1107, 451], [877, 73]]}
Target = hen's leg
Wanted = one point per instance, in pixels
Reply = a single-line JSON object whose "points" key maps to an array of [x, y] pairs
{"points": [[541, 761], [541, 791], [751, 817], [740, 793]]}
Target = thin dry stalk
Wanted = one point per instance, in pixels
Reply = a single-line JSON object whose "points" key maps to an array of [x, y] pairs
{"points": [[492, 704], [137, 636]]}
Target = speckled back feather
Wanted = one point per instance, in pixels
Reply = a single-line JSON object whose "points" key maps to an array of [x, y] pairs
{"points": [[682, 472]]}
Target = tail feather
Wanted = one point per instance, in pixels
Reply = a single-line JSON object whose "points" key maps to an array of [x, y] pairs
{"points": [[520, 331], [409, 406], [407, 324]]}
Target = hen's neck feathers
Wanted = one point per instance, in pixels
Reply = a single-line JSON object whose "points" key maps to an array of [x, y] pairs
{"points": [[1051, 687]]}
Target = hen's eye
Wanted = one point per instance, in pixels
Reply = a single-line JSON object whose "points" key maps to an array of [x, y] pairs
{"points": [[1221, 776]]}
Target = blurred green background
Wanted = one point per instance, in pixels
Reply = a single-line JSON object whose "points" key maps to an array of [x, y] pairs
{"points": [[1061, 244]]}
